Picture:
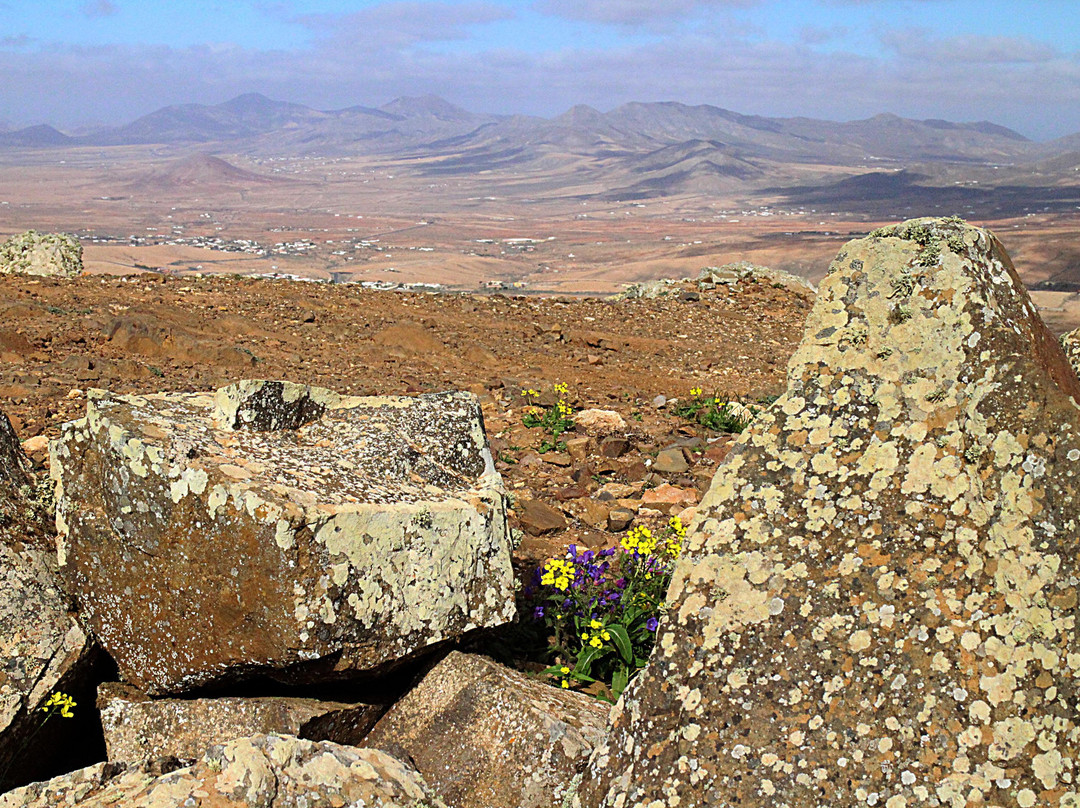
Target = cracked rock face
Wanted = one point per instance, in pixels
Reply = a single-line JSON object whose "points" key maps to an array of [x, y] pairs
{"points": [[42, 648], [877, 603], [485, 736], [280, 529], [33, 253], [267, 771]]}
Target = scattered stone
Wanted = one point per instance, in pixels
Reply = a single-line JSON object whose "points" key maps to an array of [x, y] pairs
{"points": [[620, 519], [669, 498], [139, 729], [660, 401], [33, 253], [268, 771], [561, 459], [599, 422], [878, 603], [485, 736], [538, 518], [731, 274], [593, 513], [614, 446], [578, 449], [670, 461], [311, 544]]}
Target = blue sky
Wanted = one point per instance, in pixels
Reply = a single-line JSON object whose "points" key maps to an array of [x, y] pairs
{"points": [[108, 61]]}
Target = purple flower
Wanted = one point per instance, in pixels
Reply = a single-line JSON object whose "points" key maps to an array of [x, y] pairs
{"points": [[538, 613], [652, 623]]}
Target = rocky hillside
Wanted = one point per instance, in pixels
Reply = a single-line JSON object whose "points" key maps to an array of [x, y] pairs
{"points": [[304, 592]]}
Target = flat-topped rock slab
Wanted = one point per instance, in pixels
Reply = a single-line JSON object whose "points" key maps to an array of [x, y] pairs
{"points": [[278, 528]]}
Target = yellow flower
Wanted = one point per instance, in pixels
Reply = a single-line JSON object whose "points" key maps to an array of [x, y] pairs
{"points": [[565, 670], [562, 388], [59, 701], [606, 635], [695, 391], [595, 642], [565, 684], [595, 624]]}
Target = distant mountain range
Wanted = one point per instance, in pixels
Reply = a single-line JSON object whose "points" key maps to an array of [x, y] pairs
{"points": [[255, 123], [636, 150]]}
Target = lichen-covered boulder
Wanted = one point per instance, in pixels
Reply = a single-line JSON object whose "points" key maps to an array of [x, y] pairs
{"points": [[279, 529], [42, 648], [33, 253], [485, 736], [264, 771], [138, 728], [877, 603]]}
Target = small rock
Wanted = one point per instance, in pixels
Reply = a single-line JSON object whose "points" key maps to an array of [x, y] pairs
{"points": [[561, 459], [614, 446], [619, 519], [578, 449], [669, 498], [594, 514], [599, 422], [660, 402], [537, 518], [671, 461], [36, 444]]}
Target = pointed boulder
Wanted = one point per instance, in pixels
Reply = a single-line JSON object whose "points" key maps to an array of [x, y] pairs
{"points": [[877, 604]]}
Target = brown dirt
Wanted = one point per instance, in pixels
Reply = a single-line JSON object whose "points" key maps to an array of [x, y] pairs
{"points": [[148, 333]]}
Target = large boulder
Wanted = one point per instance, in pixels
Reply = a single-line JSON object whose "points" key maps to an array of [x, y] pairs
{"points": [[877, 602], [33, 253], [485, 736], [138, 728], [265, 771], [42, 648], [279, 529]]}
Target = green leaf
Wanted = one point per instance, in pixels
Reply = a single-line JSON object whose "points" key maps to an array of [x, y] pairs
{"points": [[619, 681], [622, 641], [586, 659]]}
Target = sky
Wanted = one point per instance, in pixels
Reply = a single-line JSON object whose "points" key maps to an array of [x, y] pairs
{"points": [[92, 62]]}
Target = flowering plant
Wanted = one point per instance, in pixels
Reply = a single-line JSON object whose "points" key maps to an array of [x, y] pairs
{"points": [[602, 608], [555, 419], [716, 412]]}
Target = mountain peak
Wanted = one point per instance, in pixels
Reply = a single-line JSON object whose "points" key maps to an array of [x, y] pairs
{"points": [[430, 105]]}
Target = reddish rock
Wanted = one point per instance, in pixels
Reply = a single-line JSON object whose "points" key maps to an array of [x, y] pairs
{"points": [[671, 461], [485, 736], [538, 518]]}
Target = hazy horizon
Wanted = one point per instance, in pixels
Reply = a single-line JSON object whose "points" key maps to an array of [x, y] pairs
{"points": [[107, 62]]}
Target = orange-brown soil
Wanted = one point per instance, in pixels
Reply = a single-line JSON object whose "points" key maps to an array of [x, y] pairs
{"points": [[148, 332]]}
